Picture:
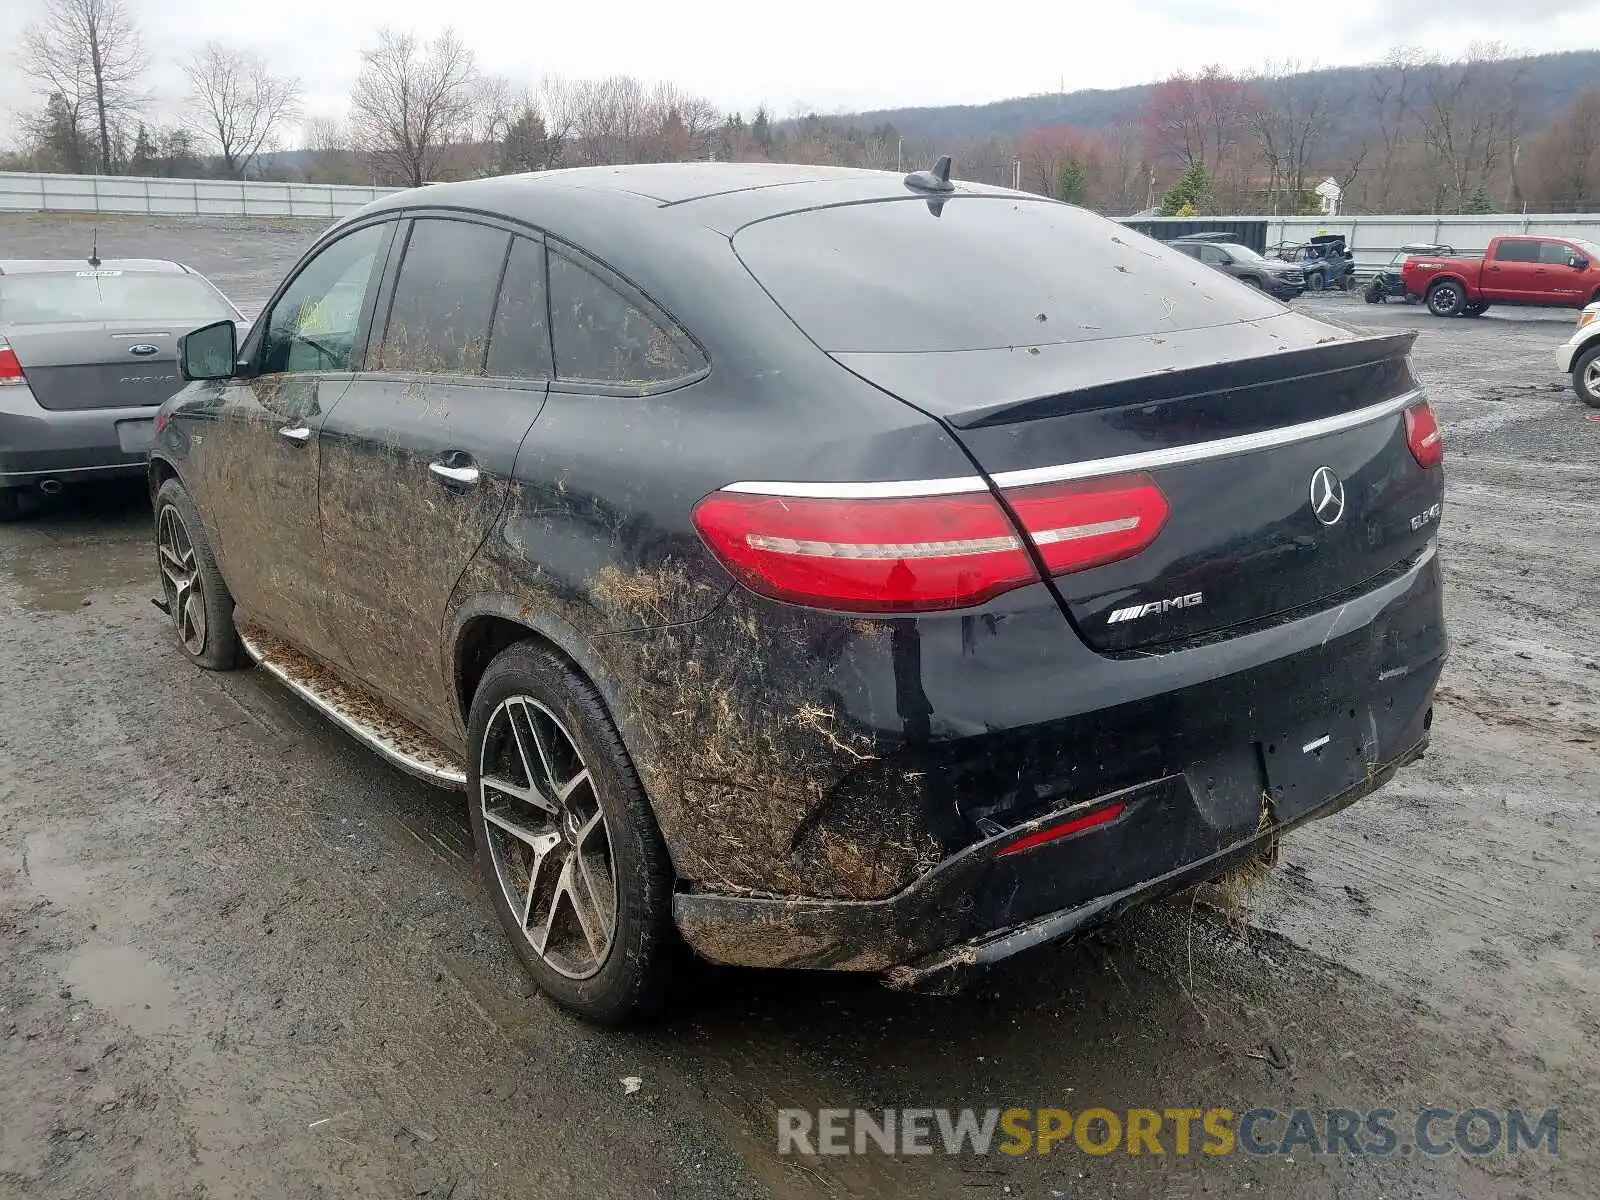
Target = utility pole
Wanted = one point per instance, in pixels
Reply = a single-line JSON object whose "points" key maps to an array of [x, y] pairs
{"points": [[1016, 174], [900, 155]]}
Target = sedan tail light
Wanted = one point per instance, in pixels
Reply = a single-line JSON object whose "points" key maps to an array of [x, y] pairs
{"points": [[10, 368], [924, 553], [1424, 436]]}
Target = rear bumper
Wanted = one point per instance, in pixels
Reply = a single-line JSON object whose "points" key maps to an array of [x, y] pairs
{"points": [[1208, 735], [37, 444]]}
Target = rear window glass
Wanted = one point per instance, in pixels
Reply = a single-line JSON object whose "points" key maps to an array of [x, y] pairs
{"points": [[602, 336], [984, 272], [103, 295]]}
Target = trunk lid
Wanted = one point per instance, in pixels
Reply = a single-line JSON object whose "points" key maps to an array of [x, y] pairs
{"points": [[100, 364], [1234, 443]]}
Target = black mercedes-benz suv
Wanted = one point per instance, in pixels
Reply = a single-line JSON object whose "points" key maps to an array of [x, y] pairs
{"points": [[814, 567]]}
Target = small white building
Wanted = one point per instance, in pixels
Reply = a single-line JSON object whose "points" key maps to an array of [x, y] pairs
{"points": [[1329, 197]]}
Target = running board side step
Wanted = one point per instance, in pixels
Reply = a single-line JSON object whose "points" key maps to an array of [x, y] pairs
{"points": [[394, 738]]}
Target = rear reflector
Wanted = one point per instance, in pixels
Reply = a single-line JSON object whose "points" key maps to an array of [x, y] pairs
{"points": [[1424, 436], [1054, 833], [924, 553], [10, 368]]}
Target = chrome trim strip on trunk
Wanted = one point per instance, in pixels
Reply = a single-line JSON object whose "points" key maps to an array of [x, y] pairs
{"points": [[432, 772], [1094, 468]]}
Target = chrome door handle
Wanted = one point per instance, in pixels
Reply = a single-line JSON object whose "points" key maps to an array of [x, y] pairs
{"points": [[296, 433], [460, 476]]}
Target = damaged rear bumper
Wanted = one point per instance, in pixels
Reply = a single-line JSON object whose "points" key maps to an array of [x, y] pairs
{"points": [[921, 938], [1311, 717]]}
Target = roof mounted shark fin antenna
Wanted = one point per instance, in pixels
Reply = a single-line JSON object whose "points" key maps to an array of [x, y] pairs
{"points": [[935, 179]]}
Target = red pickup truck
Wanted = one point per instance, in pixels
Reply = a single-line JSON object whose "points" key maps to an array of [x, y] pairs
{"points": [[1555, 272]]}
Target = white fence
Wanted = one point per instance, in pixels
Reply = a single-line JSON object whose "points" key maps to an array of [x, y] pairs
{"points": [[25, 192], [1374, 240]]}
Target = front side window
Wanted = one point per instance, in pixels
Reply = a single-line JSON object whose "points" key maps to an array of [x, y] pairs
{"points": [[1517, 252], [1210, 254], [444, 299], [1557, 254], [313, 325], [602, 336]]}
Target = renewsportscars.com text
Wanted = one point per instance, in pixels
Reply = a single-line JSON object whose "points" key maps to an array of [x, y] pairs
{"points": [[1357, 1133]]}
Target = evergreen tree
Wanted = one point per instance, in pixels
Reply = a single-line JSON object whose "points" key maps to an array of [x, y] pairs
{"points": [[1192, 191], [1073, 182]]}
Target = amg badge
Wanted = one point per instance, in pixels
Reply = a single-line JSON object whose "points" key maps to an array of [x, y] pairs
{"points": [[1118, 615]]}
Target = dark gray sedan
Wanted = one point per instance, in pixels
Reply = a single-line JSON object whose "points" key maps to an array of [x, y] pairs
{"points": [[88, 350]]}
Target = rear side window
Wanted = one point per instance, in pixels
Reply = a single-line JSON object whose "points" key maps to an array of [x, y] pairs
{"points": [[603, 335], [1517, 252], [519, 346], [443, 299], [981, 272]]}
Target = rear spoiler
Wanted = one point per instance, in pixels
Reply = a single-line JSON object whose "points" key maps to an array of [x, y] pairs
{"points": [[1374, 363]]}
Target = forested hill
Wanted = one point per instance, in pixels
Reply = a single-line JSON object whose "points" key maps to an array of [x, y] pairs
{"points": [[1547, 84]]}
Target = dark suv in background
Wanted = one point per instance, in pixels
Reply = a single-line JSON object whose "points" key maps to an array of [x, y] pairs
{"points": [[1279, 279], [801, 565]]}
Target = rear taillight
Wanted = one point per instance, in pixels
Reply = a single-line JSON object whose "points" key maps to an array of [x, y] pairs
{"points": [[924, 553], [1424, 436], [10, 368]]}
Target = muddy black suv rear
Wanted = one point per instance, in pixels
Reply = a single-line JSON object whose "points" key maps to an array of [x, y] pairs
{"points": [[805, 564]]}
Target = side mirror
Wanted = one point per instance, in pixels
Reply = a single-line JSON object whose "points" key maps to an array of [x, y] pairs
{"points": [[1579, 263], [210, 351]]}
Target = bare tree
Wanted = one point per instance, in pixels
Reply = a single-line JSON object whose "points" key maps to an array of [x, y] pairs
{"points": [[239, 105], [332, 158], [1290, 118], [90, 53], [1468, 117], [1564, 169], [1394, 87], [411, 102]]}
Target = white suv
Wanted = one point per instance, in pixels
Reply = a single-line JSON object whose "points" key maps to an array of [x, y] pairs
{"points": [[1579, 356]]}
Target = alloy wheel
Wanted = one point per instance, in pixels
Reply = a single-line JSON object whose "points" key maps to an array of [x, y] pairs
{"points": [[180, 574], [548, 838], [1591, 377]]}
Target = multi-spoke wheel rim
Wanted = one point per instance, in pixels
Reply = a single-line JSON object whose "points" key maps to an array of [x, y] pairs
{"points": [[180, 575], [1591, 377], [548, 838]]}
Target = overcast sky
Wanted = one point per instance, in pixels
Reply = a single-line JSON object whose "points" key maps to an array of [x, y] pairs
{"points": [[835, 54]]}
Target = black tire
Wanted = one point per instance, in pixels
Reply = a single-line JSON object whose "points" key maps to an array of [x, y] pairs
{"points": [[1316, 281], [10, 504], [1586, 385], [643, 955], [1447, 298], [215, 646], [1374, 295]]}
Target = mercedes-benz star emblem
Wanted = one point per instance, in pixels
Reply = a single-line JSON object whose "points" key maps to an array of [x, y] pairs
{"points": [[1327, 496]]}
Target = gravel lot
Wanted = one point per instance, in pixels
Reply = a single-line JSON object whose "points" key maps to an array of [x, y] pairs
{"points": [[245, 959]]}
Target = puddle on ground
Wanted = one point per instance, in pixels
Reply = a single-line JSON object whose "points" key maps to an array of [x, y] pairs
{"points": [[56, 577], [126, 984]]}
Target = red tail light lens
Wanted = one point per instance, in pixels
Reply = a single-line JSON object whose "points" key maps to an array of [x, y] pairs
{"points": [[924, 553], [1424, 436], [1082, 525], [918, 554], [10, 368]]}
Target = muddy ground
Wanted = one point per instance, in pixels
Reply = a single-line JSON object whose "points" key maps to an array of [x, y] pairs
{"points": [[243, 958]]}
